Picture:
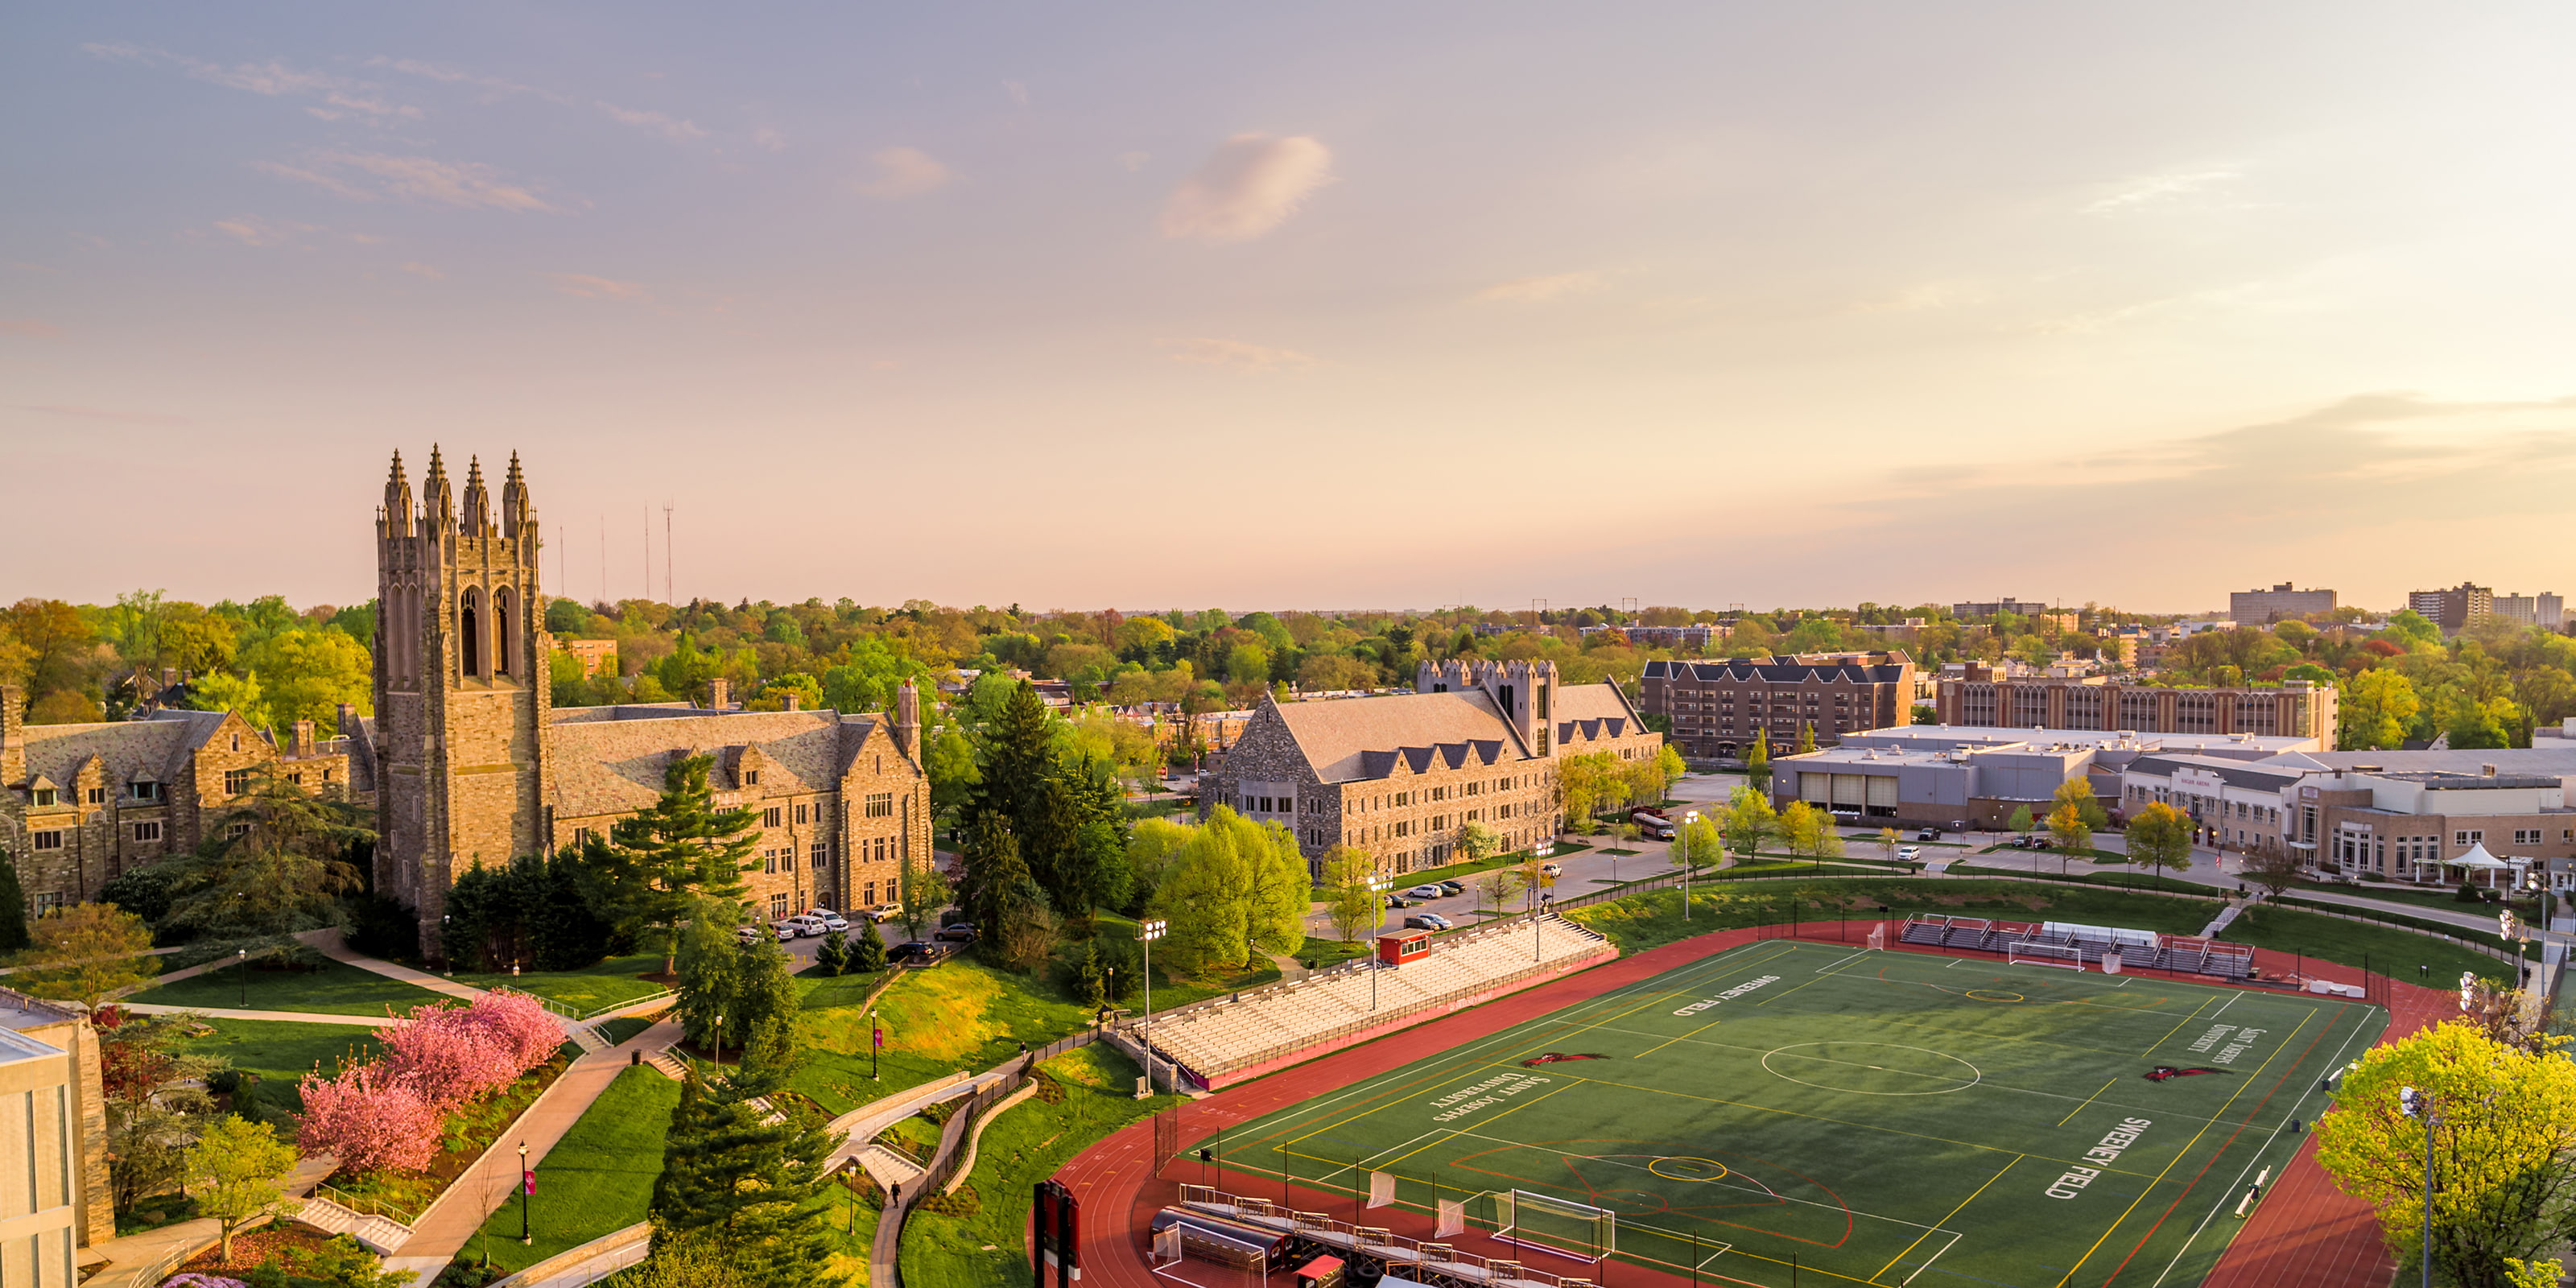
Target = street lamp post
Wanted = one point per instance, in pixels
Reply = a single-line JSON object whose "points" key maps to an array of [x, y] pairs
{"points": [[1147, 932], [2419, 1105], [241, 974], [1682, 843], [719, 1044], [1377, 891], [527, 1192], [876, 1044]]}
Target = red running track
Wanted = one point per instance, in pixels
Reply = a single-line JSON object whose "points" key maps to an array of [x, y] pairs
{"points": [[2304, 1234]]}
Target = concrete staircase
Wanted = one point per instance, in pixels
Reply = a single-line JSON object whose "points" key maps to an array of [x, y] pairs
{"points": [[381, 1234], [588, 1037]]}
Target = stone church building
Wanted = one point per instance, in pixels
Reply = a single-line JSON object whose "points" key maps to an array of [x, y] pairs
{"points": [[1399, 776], [468, 761]]}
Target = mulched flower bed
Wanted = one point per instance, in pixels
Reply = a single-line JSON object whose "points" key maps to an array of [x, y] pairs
{"points": [[289, 1245]]}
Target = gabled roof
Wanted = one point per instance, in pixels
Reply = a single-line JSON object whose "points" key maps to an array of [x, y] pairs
{"points": [[126, 749], [1747, 672], [1358, 738], [611, 760]]}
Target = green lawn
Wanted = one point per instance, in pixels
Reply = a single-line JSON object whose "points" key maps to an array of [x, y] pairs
{"points": [[2417, 896], [1023, 1146], [588, 990], [1871, 1115], [626, 1026], [282, 1051], [1650, 920], [595, 1181], [334, 988], [960, 1015], [2129, 880]]}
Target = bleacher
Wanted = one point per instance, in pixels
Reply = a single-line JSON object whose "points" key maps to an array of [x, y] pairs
{"points": [[2138, 949], [1214, 1037]]}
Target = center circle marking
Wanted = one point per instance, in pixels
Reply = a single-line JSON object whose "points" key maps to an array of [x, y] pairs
{"points": [[1995, 995], [1956, 1082], [1684, 1167]]}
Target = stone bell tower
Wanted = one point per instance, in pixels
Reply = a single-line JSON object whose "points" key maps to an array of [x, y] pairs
{"points": [[461, 685]]}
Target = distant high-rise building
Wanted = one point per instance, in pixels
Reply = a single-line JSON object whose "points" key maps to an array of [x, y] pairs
{"points": [[2007, 604], [2456, 608], [2278, 604], [2545, 609]]}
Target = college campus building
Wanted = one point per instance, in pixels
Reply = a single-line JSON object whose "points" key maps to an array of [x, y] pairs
{"points": [[2278, 604], [1718, 709], [54, 1195], [1945, 776], [1399, 775], [87, 802], [1977, 696], [469, 763]]}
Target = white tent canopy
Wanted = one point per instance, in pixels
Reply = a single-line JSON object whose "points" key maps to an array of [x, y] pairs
{"points": [[2477, 857]]}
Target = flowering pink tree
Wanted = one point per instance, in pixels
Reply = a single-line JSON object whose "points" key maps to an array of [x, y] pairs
{"points": [[520, 1025], [369, 1120], [445, 1057]]}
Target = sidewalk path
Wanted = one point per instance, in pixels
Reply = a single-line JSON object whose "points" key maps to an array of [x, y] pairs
{"points": [[471, 1200], [335, 947], [297, 1017]]}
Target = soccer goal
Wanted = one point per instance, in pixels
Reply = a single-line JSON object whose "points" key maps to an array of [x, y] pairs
{"points": [[2028, 953], [1550, 1224]]}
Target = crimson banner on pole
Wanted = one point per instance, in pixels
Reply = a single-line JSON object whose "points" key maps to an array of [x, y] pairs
{"points": [[527, 1182]]}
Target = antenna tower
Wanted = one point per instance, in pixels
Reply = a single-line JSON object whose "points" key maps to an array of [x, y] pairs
{"points": [[667, 592]]}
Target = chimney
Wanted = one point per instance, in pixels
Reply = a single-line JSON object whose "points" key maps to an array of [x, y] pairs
{"points": [[2487, 770], [13, 753], [348, 722], [907, 718], [795, 703], [303, 738], [717, 694]]}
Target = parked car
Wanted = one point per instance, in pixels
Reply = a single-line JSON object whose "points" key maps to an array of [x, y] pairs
{"points": [[962, 932], [1423, 921], [1551, 869], [925, 953], [1439, 922], [783, 930], [1427, 892], [1928, 834], [750, 934], [884, 912], [805, 924], [1398, 901], [1454, 887], [831, 920], [1909, 853]]}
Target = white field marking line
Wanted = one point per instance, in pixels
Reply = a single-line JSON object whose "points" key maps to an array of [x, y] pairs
{"points": [[2250, 1161], [1999, 1086], [1927, 1261], [1397, 1149], [1755, 1188]]}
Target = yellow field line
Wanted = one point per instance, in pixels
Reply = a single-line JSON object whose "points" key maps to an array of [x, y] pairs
{"points": [[2177, 1028], [2185, 1151], [1963, 1204], [2088, 1100]]}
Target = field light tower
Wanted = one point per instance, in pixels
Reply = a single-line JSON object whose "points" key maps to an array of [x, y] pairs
{"points": [[1146, 933]]}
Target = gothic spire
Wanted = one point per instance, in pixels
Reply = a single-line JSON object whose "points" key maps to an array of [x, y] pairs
{"points": [[478, 503], [437, 503], [514, 500]]}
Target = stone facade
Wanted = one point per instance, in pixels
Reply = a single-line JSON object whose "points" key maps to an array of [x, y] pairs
{"points": [[1399, 776], [470, 762], [1720, 709], [88, 802]]}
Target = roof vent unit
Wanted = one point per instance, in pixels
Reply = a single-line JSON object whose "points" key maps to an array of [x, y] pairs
{"points": [[2487, 770]]}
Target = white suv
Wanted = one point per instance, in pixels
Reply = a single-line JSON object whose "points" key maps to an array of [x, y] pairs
{"points": [[804, 923], [831, 920]]}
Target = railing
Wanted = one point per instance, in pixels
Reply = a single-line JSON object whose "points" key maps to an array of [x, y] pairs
{"points": [[367, 1206], [577, 1015], [1433, 1256]]}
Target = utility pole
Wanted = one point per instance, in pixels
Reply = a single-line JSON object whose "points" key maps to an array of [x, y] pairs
{"points": [[667, 592], [603, 558]]}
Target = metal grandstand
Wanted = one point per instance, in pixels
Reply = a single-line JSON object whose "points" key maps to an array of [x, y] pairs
{"points": [[2087, 945]]}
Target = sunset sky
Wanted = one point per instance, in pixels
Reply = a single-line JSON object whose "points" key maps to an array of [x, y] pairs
{"points": [[1301, 306]]}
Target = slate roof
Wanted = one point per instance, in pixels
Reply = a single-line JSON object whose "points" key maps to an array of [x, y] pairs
{"points": [[1748, 672], [1358, 738], [1593, 711], [156, 748], [613, 763]]}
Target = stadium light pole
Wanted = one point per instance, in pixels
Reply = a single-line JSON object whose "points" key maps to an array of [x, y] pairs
{"points": [[1377, 888], [1682, 842], [1147, 932]]}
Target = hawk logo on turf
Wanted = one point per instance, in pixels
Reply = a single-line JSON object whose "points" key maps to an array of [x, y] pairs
{"points": [[1554, 1057], [2164, 1071]]}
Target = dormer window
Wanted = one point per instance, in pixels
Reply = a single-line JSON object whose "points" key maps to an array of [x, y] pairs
{"points": [[44, 796], [143, 790]]}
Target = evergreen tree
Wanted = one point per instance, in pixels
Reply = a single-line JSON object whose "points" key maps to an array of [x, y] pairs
{"points": [[834, 956], [565, 933], [744, 1183], [279, 874], [994, 873], [1806, 738], [655, 865], [13, 908], [709, 969], [868, 955]]}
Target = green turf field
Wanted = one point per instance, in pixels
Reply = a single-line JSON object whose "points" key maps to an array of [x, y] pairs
{"points": [[1882, 1118]]}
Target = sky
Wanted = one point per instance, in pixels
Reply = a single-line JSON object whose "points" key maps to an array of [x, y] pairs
{"points": [[1314, 306]]}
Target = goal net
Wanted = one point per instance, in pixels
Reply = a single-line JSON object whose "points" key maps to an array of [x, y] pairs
{"points": [[2025, 953], [1878, 937], [1550, 1224]]}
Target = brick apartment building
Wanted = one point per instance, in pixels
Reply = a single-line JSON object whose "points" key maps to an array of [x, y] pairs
{"points": [[1399, 775], [85, 803], [2278, 603], [1977, 696], [2455, 609], [1718, 708]]}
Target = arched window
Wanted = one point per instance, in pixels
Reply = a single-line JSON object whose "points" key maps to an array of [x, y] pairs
{"points": [[469, 640], [502, 644]]}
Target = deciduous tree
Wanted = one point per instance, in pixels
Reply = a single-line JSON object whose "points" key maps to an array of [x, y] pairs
{"points": [[282, 874], [1749, 821], [1349, 903], [2160, 837], [236, 1171], [2375, 709], [85, 953]]}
